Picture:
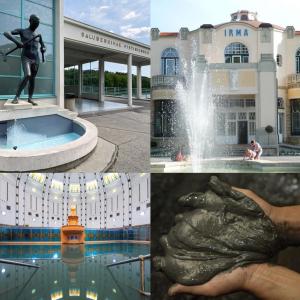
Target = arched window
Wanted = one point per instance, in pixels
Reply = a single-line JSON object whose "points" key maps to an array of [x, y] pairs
{"points": [[236, 53], [169, 62], [298, 61]]}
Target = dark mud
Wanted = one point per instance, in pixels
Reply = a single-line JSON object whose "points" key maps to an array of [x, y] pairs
{"points": [[237, 231]]}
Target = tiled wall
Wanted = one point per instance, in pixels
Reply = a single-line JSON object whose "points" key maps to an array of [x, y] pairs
{"points": [[17, 234]]}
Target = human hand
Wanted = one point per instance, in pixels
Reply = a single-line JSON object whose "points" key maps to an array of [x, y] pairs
{"points": [[265, 281], [20, 45], [223, 283], [220, 233]]}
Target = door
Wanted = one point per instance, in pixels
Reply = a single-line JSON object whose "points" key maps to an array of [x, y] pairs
{"points": [[242, 132], [236, 59], [170, 66]]}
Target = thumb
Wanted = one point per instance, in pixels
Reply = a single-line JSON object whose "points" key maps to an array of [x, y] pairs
{"points": [[183, 289]]}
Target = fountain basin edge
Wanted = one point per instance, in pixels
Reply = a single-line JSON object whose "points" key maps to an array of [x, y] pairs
{"points": [[32, 160]]}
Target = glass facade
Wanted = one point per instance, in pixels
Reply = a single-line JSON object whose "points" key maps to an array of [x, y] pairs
{"points": [[15, 14], [90, 78]]}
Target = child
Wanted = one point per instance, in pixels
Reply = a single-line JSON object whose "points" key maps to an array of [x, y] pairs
{"points": [[249, 155]]}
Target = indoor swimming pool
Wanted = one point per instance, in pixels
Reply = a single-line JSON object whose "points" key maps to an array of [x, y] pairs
{"points": [[74, 272]]}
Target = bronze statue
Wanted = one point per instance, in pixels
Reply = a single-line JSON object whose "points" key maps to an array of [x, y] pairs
{"points": [[29, 56]]}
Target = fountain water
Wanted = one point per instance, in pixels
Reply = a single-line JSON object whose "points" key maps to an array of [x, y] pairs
{"points": [[196, 106], [18, 136]]}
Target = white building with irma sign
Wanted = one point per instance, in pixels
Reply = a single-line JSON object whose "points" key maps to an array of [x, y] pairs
{"points": [[253, 70]]}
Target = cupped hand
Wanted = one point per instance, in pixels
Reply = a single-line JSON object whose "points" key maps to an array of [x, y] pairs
{"points": [[221, 284]]}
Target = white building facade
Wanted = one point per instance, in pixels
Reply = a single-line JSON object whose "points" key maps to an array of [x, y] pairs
{"points": [[253, 71]]}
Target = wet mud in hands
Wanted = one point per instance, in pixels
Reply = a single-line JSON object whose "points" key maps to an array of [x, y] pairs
{"points": [[223, 230]]}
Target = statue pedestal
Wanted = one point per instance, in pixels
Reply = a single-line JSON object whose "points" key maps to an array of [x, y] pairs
{"points": [[72, 234], [21, 105]]}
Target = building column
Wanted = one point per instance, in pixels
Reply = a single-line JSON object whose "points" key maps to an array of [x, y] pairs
{"points": [[139, 82], [266, 102], [59, 54], [101, 83], [79, 80], [129, 79]]}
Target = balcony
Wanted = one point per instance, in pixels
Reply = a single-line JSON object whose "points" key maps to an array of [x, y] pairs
{"points": [[294, 81], [165, 81]]}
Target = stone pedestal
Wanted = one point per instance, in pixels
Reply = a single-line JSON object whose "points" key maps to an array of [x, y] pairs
{"points": [[21, 105]]}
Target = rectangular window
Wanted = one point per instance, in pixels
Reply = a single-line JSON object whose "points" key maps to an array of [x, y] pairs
{"points": [[164, 118], [245, 59], [15, 14], [250, 102], [236, 59], [231, 128], [295, 111], [242, 116], [220, 124], [252, 128], [252, 116], [228, 59], [279, 60], [231, 116]]}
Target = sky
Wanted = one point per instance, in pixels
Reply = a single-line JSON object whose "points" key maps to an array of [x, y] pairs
{"points": [[129, 18], [171, 15]]}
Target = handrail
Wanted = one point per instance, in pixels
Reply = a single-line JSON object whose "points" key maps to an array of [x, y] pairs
{"points": [[141, 257], [17, 263]]}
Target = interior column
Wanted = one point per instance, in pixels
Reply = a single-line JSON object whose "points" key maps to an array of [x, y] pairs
{"points": [[139, 82], [101, 83], [129, 79]]}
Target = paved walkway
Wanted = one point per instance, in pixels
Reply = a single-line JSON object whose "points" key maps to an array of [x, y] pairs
{"points": [[130, 132]]}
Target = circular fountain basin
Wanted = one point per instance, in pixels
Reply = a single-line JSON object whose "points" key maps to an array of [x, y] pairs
{"points": [[45, 142]]}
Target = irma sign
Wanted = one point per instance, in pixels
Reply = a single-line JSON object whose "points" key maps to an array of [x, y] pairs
{"points": [[236, 32]]}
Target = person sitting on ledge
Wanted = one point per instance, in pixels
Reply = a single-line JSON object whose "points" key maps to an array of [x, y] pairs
{"points": [[249, 154], [29, 56], [256, 147]]}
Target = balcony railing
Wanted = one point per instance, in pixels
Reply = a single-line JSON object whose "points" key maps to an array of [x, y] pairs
{"points": [[165, 81], [294, 80]]}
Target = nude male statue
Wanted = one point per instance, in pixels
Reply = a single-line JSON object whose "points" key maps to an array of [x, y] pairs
{"points": [[29, 56]]}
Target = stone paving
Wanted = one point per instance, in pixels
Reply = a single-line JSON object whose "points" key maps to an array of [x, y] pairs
{"points": [[129, 131]]}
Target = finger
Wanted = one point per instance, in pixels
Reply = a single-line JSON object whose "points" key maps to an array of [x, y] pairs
{"points": [[179, 218], [266, 207], [223, 189], [159, 263], [207, 200], [192, 200], [192, 290]]}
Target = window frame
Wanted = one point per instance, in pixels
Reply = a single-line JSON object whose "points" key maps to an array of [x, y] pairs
{"points": [[234, 50], [297, 60], [169, 54], [295, 132]]}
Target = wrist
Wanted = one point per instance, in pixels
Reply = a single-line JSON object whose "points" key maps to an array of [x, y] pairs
{"points": [[252, 276]]}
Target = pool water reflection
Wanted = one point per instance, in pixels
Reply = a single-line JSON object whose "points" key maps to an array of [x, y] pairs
{"points": [[73, 272]]}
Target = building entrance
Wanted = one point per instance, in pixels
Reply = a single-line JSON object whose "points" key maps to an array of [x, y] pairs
{"points": [[242, 132]]}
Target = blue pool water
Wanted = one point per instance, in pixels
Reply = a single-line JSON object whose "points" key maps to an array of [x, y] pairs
{"points": [[73, 272], [38, 133], [42, 143]]}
